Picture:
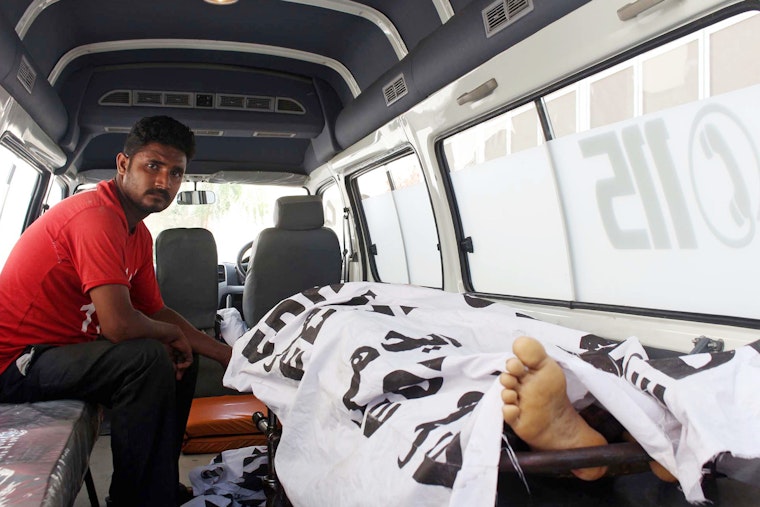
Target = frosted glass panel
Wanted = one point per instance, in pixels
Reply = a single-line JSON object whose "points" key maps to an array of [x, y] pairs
{"points": [[383, 224], [662, 210], [418, 229], [509, 207], [400, 220]]}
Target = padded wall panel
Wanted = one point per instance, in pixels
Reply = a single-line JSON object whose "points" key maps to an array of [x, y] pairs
{"points": [[461, 44], [325, 145], [368, 111], [42, 104], [445, 55]]}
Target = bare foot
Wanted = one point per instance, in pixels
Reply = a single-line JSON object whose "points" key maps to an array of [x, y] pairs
{"points": [[658, 470], [537, 408]]}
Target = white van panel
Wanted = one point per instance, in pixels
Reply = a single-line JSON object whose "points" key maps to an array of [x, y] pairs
{"points": [[539, 61]]}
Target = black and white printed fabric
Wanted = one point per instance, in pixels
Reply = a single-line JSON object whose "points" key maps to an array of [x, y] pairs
{"points": [[389, 391], [234, 478]]}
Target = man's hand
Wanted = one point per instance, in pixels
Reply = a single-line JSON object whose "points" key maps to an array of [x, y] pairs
{"points": [[181, 353], [201, 343], [120, 321], [226, 355]]}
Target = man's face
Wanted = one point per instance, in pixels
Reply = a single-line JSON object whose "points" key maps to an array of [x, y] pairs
{"points": [[151, 177]]}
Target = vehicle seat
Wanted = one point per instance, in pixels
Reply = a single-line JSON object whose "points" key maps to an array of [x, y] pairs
{"points": [[186, 270], [181, 252], [296, 254]]}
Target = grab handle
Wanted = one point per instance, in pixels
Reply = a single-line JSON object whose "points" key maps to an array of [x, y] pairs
{"points": [[478, 93], [633, 9]]}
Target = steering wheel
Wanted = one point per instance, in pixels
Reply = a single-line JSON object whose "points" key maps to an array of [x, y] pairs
{"points": [[243, 260]]}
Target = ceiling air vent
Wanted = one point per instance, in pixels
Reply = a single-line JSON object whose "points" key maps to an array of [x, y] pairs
{"points": [[116, 98], [143, 98], [259, 103], [117, 130], [503, 13], [230, 101], [26, 74], [205, 100], [289, 106], [178, 99], [208, 132], [394, 90], [280, 135]]}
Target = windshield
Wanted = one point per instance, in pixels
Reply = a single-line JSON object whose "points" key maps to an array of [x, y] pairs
{"points": [[240, 212]]}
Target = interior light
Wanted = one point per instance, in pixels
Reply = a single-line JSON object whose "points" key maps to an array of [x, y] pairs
{"points": [[220, 2]]}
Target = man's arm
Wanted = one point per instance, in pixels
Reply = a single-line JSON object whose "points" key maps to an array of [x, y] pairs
{"points": [[202, 343], [120, 321]]}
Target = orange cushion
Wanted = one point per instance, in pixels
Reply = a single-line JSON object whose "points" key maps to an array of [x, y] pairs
{"points": [[219, 423], [215, 445]]}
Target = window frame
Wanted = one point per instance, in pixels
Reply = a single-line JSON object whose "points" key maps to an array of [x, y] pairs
{"points": [[537, 98], [344, 239], [64, 187], [364, 237], [34, 208]]}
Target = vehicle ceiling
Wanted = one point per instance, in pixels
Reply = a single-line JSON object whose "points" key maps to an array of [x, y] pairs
{"points": [[290, 82]]}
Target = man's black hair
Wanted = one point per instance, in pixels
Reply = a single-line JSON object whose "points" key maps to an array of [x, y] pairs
{"points": [[163, 130]]}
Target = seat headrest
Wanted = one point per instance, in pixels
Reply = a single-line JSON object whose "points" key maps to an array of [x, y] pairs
{"points": [[299, 212]]}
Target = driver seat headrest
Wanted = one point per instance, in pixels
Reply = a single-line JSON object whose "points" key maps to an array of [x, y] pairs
{"points": [[299, 213], [295, 255]]}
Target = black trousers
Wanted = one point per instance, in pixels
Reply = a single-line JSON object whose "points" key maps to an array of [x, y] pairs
{"points": [[149, 407]]}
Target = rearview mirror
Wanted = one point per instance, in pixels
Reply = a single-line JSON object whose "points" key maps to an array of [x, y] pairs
{"points": [[196, 197]]}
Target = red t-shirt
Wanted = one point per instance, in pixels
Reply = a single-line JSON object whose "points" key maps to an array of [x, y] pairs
{"points": [[81, 243]]}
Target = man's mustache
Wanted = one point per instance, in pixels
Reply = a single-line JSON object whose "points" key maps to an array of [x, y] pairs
{"points": [[159, 191]]}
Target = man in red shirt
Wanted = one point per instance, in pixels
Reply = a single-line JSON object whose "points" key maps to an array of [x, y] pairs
{"points": [[81, 315]]}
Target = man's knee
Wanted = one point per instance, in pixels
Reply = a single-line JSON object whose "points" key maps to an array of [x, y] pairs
{"points": [[146, 355]]}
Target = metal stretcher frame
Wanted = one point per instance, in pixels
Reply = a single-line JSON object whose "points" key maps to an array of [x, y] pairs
{"points": [[625, 458], [548, 475], [629, 457]]}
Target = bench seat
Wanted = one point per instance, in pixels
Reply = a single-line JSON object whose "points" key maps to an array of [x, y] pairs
{"points": [[45, 451]]}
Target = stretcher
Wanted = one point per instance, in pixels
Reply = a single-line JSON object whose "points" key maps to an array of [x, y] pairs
{"points": [[545, 479], [363, 393]]}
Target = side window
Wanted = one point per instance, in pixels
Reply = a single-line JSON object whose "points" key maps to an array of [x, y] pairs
{"points": [[648, 193], [332, 203], [56, 193], [402, 236], [507, 200], [17, 182]]}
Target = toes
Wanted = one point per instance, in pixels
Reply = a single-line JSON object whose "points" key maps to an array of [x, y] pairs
{"points": [[660, 471], [508, 381], [529, 351], [515, 367], [510, 413], [590, 474], [509, 396]]}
